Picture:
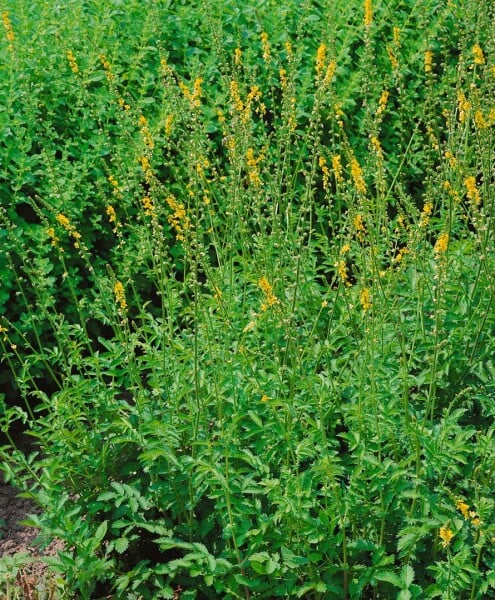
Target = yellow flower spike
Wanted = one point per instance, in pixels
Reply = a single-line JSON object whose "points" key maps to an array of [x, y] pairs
{"points": [[472, 191], [237, 57], [464, 106], [368, 13], [9, 30], [265, 44], [112, 217], [168, 124], [119, 292], [320, 60], [445, 534], [442, 244], [72, 62], [53, 238], [428, 61], [270, 297], [326, 172], [425, 214], [342, 273], [337, 168], [479, 57], [365, 299], [357, 176], [462, 507], [382, 103]]}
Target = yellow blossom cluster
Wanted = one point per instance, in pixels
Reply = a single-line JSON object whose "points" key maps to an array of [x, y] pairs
{"points": [[9, 30], [145, 132], [111, 214], [359, 227], [472, 191], [123, 105], [54, 240], [193, 96], [464, 106], [469, 515], [324, 71], [237, 57], [337, 168], [442, 244], [149, 207], [72, 62], [270, 298], [253, 171], [382, 103], [478, 56], [325, 171], [342, 272], [357, 176], [119, 292], [145, 165], [71, 230], [107, 67], [445, 534], [265, 45], [178, 219], [428, 61], [425, 214], [365, 299], [368, 13]]}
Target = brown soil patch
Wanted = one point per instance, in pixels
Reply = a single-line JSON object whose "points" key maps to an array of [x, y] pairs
{"points": [[15, 538]]}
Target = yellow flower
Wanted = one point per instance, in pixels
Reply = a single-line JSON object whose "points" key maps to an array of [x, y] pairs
{"points": [[270, 298], [464, 106], [342, 273], [265, 44], [265, 398], [425, 215], [357, 176], [368, 13], [51, 234], [382, 103], [320, 59], [337, 168], [365, 299], [479, 57], [149, 207], [472, 191], [119, 292], [237, 56], [359, 226], [72, 61], [463, 507], [442, 244], [446, 535], [9, 30], [253, 170], [377, 147], [428, 61]]}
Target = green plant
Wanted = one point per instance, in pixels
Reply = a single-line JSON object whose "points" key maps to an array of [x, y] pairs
{"points": [[252, 324]]}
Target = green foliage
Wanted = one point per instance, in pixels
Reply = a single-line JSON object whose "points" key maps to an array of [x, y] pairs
{"points": [[247, 295]]}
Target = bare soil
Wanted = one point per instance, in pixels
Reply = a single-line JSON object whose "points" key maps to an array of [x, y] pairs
{"points": [[15, 538]]}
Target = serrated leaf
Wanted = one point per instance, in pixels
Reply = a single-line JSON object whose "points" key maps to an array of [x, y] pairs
{"points": [[407, 575], [121, 545]]}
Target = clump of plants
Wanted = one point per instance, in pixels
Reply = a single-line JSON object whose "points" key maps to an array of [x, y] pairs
{"points": [[248, 302]]}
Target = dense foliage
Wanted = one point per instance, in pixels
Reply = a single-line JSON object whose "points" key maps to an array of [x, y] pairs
{"points": [[247, 297]]}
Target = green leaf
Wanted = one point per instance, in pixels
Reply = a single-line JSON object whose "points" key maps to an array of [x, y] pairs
{"points": [[100, 532], [121, 545], [407, 575]]}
